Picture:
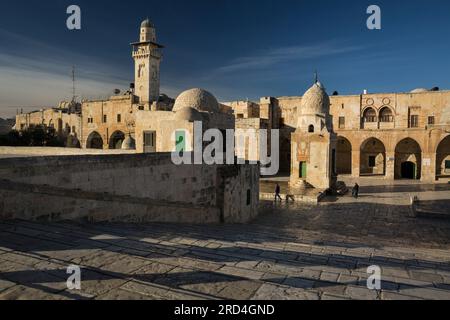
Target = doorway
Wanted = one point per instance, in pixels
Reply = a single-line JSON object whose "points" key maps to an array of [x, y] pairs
{"points": [[303, 170], [408, 170]]}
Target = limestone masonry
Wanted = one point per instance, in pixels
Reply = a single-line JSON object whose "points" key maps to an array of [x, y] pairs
{"points": [[391, 135]]}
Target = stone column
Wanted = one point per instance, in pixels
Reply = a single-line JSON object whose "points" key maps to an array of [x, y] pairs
{"points": [[390, 165], [428, 167], [356, 163]]}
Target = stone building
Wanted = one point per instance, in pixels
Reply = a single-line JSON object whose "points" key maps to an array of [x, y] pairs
{"points": [[386, 135], [313, 144], [167, 131], [110, 123]]}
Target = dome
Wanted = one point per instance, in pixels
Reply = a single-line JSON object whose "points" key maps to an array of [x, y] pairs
{"points": [[188, 114], [147, 24], [128, 143], [419, 90], [198, 99], [315, 101]]}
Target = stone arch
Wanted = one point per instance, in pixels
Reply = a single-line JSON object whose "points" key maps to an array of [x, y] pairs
{"points": [[116, 140], [94, 141], [443, 157], [369, 115], [386, 114], [408, 159], [372, 157], [343, 156]]}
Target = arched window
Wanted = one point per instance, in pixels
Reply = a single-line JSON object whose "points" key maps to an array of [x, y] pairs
{"points": [[311, 129], [370, 115], [386, 115]]}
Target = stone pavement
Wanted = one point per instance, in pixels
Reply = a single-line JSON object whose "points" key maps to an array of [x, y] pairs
{"points": [[290, 252]]}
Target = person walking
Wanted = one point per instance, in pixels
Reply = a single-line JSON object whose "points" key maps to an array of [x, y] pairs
{"points": [[277, 193], [355, 191]]}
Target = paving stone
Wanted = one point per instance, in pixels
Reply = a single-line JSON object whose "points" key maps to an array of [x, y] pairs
{"points": [[295, 252], [426, 293], [386, 295], [125, 266], [329, 276], [330, 288], [5, 284], [239, 272], [275, 292], [361, 293], [299, 282], [149, 290], [121, 294], [21, 292], [427, 277], [95, 284], [240, 290]]}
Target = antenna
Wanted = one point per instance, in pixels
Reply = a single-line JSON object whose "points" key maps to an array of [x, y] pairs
{"points": [[73, 84]]}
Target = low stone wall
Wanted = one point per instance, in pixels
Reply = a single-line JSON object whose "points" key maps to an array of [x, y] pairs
{"points": [[142, 187], [45, 203]]}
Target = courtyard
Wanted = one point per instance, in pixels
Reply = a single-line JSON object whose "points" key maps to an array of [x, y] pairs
{"points": [[291, 251]]}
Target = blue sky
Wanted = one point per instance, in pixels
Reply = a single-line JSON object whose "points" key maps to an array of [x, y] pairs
{"points": [[235, 49]]}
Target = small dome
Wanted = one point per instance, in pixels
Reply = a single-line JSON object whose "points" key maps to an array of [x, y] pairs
{"points": [[128, 143], [315, 101], [147, 24], [198, 99], [188, 114], [419, 90]]}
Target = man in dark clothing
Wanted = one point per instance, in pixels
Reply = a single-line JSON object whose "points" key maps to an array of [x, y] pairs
{"points": [[355, 191], [277, 193]]}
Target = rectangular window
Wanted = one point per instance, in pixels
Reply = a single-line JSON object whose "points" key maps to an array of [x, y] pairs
{"points": [[431, 120], [414, 121], [372, 161], [104, 118], [119, 118], [341, 122]]}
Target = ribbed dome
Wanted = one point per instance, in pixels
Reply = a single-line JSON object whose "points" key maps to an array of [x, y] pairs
{"points": [[188, 114], [147, 24], [129, 143], [315, 101], [198, 99]]}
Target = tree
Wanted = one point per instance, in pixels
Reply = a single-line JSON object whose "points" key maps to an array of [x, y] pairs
{"points": [[33, 136]]}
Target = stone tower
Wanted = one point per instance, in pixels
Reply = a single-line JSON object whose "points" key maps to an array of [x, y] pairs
{"points": [[313, 142], [147, 58]]}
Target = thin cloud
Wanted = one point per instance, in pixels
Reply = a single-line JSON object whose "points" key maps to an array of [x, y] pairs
{"points": [[286, 54]]}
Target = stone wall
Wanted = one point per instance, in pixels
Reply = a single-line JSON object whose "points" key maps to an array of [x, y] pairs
{"points": [[149, 178]]}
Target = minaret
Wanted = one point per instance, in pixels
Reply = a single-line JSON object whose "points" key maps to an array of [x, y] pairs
{"points": [[147, 58]]}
